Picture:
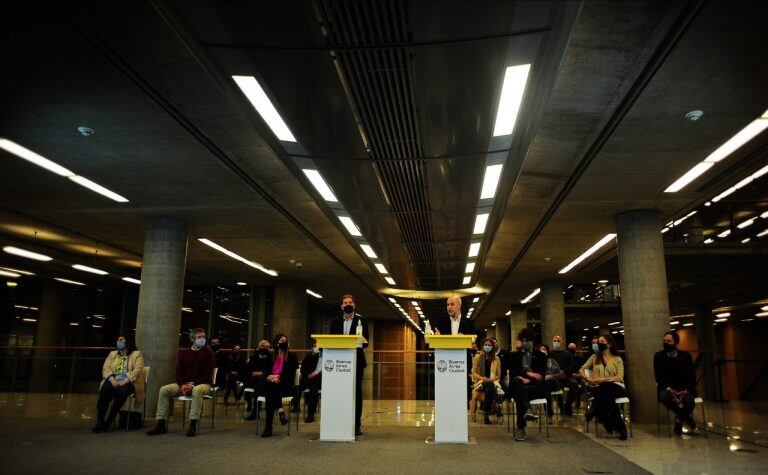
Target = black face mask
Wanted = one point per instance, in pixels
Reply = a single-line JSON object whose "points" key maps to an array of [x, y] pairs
{"points": [[348, 309], [263, 351], [601, 347], [283, 345], [669, 347], [215, 347]]}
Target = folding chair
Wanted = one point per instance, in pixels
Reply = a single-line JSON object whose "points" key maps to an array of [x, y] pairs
{"points": [[697, 400], [287, 400], [132, 399], [542, 405], [211, 397]]}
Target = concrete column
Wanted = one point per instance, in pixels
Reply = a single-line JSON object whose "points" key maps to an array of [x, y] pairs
{"points": [[502, 331], [368, 373], [644, 303], [518, 320], [290, 313], [705, 334], [158, 317], [50, 330], [552, 310]]}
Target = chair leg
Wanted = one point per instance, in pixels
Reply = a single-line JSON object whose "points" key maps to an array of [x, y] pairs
{"points": [[629, 420], [704, 425], [183, 413], [213, 410], [547, 425], [128, 421]]}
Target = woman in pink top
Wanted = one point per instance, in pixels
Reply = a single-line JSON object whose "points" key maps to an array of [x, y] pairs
{"points": [[280, 382]]}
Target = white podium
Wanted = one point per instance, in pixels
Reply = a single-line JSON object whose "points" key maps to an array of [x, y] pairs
{"points": [[451, 387], [337, 421]]}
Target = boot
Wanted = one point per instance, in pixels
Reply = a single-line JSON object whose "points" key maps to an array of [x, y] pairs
{"points": [[192, 431], [99, 427], [108, 423], [283, 419], [486, 419], [160, 428]]}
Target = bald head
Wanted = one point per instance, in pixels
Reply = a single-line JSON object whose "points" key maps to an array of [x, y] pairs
{"points": [[453, 305], [571, 346]]}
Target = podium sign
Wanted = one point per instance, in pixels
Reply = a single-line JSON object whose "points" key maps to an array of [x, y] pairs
{"points": [[337, 421], [451, 387]]}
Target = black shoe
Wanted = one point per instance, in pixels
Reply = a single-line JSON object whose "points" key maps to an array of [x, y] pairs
{"points": [[160, 428], [98, 428], [358, 431], [691, 423], [254, 415], [248, 408], [283, 419], [108, 423], [192, 431], [309, 419], [678, 427], [589, 416], [267, 432], [623, 433], [486, 419]]}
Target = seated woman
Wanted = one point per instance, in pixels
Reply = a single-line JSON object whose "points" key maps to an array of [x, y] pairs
{"points": [[123, 375], [486, 369], [551, 379], [606, 383], [279, 382]]}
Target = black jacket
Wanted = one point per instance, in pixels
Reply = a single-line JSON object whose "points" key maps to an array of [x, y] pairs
{"points": [[309, 364], [240, 364], [337, 328], [564, 360], [465, 326], [504, 356], [263, 365], [677, 373], [287, 375], [538, 364]]}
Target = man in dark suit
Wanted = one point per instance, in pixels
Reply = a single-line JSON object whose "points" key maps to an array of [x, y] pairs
{"points": [[527, 370], [311, 379], [453, 324], [347, 325], [676, 381]]}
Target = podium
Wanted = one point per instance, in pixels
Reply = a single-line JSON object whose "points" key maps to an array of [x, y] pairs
{"points": [[451, 387], [337, 421]]}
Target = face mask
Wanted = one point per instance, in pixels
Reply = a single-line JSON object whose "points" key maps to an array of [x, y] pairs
{"points": [[557, 345], [595, 347], [527, 346], [283, 345], [487, 348], [316, 350], [602, 347], [348, 309], [263, 352], [121, 345], [669, 347], [215, 347], [199, 342]]}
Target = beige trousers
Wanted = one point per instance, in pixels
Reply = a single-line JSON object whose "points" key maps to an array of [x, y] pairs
{"points": [[170, 391]]}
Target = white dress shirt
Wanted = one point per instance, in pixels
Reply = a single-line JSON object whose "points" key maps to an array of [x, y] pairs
{"points": [[455, 322], [348, 324]]}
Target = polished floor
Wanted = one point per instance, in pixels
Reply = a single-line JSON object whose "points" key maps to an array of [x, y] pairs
{"points": [[60, 423]]}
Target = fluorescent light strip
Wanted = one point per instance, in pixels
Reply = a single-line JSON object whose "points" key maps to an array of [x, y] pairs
{"points": [[30, 156], [602, 242], [320, 185], [67, 281], [467, 279], [92, 270], [368, 250], [509, 312], [6, 273], [390, 280], [709, 241], [350, 225], [132, 280], [82, 181], [744, 241], [254, 92], [28, 254], [530, 297], [314, 294], [11, 269], [242, 259], [511, 98], [474, 249], [380, 268], [391, 300], [746, 223], [761, 314], [725, 233], [470, 268], [721, 320], [762, 233], [723, 315], [480, 221], [187, 309], [476, 299], [731, 145], [491, 181]]}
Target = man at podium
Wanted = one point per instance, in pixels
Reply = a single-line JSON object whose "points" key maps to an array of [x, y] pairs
{"points": [[453, 324], [348, 324]]}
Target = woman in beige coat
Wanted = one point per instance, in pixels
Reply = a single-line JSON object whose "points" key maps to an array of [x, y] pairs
{"points": [[122, 375], [486, 370]]}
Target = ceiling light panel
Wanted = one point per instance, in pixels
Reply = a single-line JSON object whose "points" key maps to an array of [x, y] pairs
{"points": [[599, 244], [92, 270], [28, 254], [480, 222], [320, 185], [132, 280], [491, 181], [67, 281], [474, 249], [368, 250], [350, 226], [511, 98], [530, 296], [263, 105]]}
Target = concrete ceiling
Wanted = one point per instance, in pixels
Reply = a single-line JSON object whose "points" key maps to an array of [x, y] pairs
{"points": [[602, 131]]}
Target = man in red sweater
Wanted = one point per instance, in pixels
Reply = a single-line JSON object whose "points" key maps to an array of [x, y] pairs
{"points": [[194, 373]]}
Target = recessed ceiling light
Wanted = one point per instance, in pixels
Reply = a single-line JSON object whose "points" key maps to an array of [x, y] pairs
{"points": [[480, 221], [350, 225], [689, 176], [314, 294], [368, 250], [603, 281], [613, 323], [241, 283], [132, 280], [28, 254], [491, 181], [675, 322], [238, 257], [688, 324], [709, 241], [254, 92], [509, 312], [92, 270], [320, 185], [511, 98], [474, 249], [466, 280], [67, 281], [530, 296], [380, 268], [391, 299], [470, 268], [390, 280], [602, 242], [723, 315]]}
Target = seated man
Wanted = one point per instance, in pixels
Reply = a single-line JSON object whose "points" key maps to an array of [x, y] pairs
{"points": [[222, 363], [503, 355], [565, 361], [311, 378], [255, 377], [676, 381], [236, 369], [552, 379], [194, 372], [527, 369]]}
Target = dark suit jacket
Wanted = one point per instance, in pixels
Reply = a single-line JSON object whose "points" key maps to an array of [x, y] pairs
{"points": [[337, 328], [538, 364], [465, 326], [309, 364], [676, 373], [288, 373]]}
